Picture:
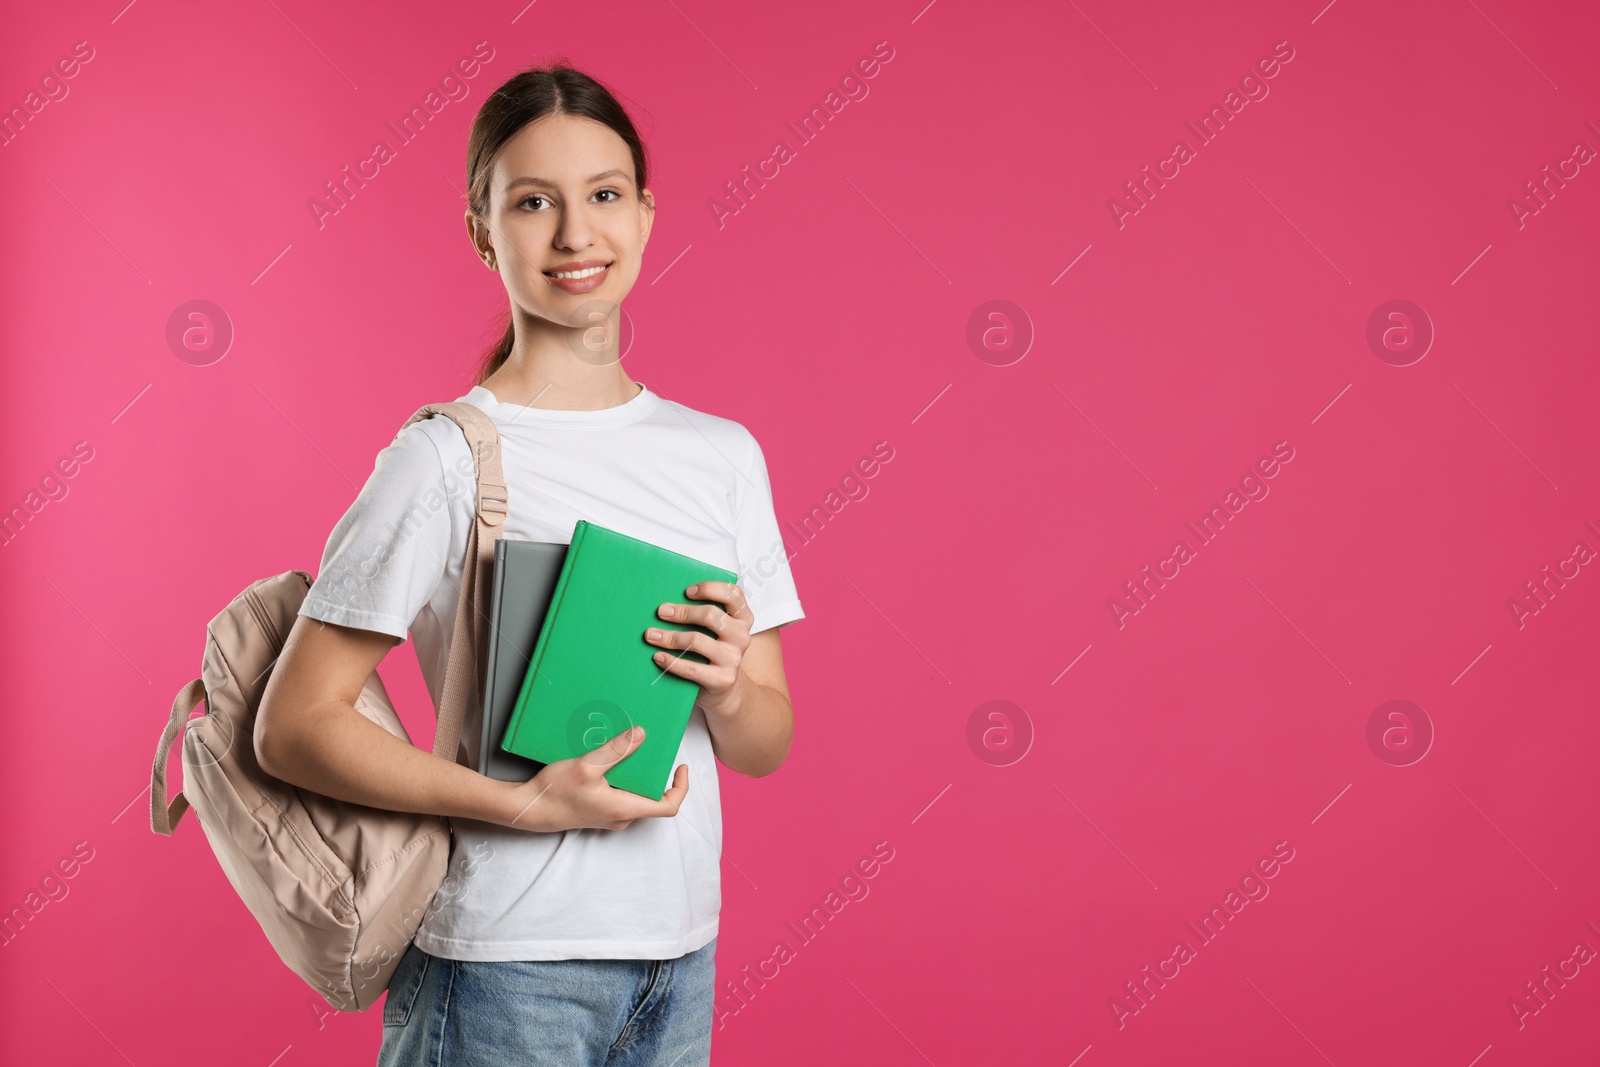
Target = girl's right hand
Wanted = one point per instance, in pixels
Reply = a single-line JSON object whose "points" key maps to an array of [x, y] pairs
{"points": [[574, 794]]}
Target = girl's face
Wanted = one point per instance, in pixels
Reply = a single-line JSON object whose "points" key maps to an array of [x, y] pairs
{"points": [[562, 200]]}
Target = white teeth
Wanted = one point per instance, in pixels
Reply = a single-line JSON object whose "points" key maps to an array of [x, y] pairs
{"points": [[578, 273]]}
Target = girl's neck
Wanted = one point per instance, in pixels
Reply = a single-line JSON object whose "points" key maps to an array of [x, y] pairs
{"points": [[561, 382]]}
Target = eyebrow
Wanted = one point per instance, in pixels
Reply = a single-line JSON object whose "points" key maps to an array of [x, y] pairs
{"points": [[546, 183]]}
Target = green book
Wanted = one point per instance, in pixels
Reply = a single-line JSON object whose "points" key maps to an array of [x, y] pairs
{"points": [[592, 674]]}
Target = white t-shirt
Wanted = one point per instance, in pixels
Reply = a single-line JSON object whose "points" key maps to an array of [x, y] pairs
{"points": [[649, 468]]}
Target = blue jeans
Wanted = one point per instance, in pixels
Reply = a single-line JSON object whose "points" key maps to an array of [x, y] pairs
{"points": [[583, 1013]]}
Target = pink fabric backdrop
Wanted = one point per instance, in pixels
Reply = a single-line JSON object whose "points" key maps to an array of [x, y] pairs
{"points": [[1160, 349]]}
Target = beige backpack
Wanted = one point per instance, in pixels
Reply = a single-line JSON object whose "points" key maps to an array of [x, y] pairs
{"points": [[339, 888]]}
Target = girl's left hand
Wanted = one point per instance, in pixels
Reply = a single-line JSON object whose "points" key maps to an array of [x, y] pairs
{"points": [[729, 617]]}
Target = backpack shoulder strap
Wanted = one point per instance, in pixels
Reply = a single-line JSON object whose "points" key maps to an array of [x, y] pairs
{"points": [[484, 440], [468, 642]]}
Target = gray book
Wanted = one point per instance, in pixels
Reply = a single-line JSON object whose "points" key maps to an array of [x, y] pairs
{"points": [[525, 575]]}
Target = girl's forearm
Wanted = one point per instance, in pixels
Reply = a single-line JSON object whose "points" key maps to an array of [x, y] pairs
{"points": [[753, 738], [336, 751]]}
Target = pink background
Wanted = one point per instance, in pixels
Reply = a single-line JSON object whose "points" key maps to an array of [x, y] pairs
{"points": [[828, 314]]}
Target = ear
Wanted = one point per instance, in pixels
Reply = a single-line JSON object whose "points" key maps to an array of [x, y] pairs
{"points": [[478, 234], [647, 215]]}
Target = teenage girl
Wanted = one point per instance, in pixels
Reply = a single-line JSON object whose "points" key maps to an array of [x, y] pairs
{"points": [[578, 922]]}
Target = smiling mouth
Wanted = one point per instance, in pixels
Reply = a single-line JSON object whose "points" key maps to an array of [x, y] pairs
{"points": [[577, 275], [578, 282]]}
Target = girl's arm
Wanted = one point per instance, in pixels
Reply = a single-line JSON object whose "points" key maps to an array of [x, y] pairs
{"points": [[309, 733], [751, 733], [743, 690]]}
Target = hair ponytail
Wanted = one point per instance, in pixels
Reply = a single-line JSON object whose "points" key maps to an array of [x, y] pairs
{"points": [[495, 357]]}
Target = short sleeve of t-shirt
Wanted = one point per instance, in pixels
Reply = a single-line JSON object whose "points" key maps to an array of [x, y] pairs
{"points": [[764, 573], [406, 531], [387, 555]]}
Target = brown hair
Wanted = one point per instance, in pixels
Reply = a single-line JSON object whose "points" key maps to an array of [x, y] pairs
{"points": [[527, 97]]}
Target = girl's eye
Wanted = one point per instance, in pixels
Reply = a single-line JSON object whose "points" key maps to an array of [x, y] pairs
{"points": [[524, 201]]}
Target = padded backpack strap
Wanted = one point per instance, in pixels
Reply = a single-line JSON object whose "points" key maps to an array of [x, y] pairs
{"points": [[469, 642], [164, 816]]}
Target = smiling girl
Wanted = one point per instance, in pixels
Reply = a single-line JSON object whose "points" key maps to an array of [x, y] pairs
{"points": [[581, 925]]}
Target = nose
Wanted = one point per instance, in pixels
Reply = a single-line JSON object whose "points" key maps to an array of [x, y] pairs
{"points": [[575, 231]]}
